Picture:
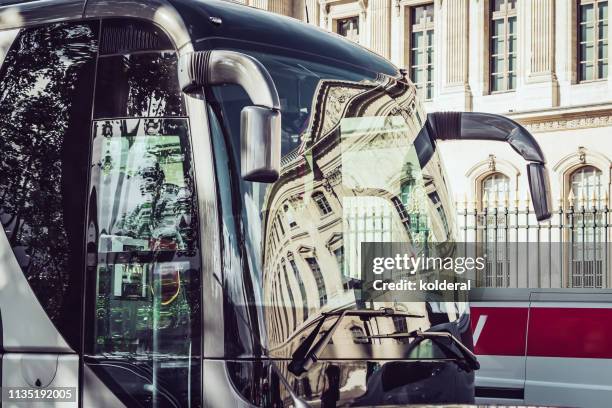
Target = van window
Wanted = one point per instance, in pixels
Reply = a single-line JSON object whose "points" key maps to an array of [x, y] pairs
{"points": [[46, 86]]}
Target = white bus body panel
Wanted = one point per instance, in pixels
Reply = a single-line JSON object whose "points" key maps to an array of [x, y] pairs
{"points": [[49, 370]]}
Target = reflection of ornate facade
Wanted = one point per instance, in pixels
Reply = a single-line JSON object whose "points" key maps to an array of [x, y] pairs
{"points": [[327, 202], [538, 73], [543, 63]]}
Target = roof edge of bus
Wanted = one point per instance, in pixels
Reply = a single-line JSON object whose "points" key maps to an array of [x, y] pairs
{"points": [[187, 20], [208, 20], [19, 14]]}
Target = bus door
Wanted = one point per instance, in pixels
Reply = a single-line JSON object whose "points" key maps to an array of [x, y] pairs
{"points": [[142, 313]]}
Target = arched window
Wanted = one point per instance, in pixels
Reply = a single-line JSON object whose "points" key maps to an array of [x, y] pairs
{"points": [[586, 235], [318, 276], [289, 216], [585, 184], [494, 189], [322, 203]]}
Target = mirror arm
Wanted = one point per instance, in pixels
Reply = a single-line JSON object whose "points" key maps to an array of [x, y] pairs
{"points": [[491, 127], [219, 67], [260, 123], [485, 126]]}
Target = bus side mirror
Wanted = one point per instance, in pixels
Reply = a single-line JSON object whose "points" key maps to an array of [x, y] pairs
{"points": [[539, 187], [487, 126], [260, 130], [260, 123]]}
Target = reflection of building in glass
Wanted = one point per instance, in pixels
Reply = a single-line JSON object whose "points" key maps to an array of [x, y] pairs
{"points": [[339, 188], [144, 215], [348, 27], [152, 211], [466, 56]]}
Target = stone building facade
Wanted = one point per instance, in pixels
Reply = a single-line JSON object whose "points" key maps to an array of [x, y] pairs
{"points": [[543, 63]]}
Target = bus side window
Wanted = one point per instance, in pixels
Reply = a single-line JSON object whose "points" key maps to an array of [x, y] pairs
{"points": [[46, 87], [137, 72]]}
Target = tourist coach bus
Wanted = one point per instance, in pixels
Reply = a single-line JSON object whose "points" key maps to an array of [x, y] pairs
{"points": [[185, 186]]}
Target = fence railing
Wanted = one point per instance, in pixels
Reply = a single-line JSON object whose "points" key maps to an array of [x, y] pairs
{"points": [[572, 249]]}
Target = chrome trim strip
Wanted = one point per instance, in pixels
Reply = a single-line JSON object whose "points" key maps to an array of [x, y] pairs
{"points": [[206, 188], [19, 15]]}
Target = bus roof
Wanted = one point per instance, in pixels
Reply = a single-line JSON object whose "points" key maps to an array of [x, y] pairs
{"points": [[237, 22], [206, 24]]}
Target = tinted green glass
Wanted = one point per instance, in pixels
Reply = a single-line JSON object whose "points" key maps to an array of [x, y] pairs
{"points": [[146, 248]]}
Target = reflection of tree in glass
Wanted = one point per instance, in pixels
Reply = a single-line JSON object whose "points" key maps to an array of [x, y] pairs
{"points": [[153, 84], [42, 77], [163, 214], [138, 85]]}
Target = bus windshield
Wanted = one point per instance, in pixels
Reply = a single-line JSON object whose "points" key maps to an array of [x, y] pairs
{"points": [[353, 170]]}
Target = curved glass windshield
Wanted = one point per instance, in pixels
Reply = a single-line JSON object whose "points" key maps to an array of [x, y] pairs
{"points": [[354, 170]]}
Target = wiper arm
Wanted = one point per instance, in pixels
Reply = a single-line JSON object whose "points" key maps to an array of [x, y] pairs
{"points": [[306, 354], [466, 354]]}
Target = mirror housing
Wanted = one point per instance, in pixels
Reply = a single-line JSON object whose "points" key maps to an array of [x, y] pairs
{"points": [[260, 128], [492, 127], [539, 187], [260, 124]]}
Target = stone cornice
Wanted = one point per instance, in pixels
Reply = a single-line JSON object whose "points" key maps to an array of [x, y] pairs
{"points": [[565, 118]]}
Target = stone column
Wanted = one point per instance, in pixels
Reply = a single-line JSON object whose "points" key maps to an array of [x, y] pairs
{"points": [[542, 37], [313, 11], [380, 27], [324, 16], [260, 4], [454, 90], [280, 7], [540, 88]]}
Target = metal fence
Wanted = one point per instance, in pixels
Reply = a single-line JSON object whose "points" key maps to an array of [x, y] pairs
{"points": [[571, 250]]}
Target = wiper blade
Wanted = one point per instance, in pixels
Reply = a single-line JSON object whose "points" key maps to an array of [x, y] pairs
{"points": [[306, 354], [466, 354]]}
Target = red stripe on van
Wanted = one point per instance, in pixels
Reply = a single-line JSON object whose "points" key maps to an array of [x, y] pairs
{"points": [[570, 332], [504, 330]]}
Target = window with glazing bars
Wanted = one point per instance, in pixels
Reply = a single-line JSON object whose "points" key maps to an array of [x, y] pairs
{"points": [[503, 44], [322, 203], [318, 276], [592, 40], [422, 48], [349, 28], [587, 259]]}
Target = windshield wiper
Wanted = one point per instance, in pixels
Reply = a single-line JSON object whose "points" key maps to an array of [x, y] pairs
{"points": [[306, 354], [465, 354]]}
